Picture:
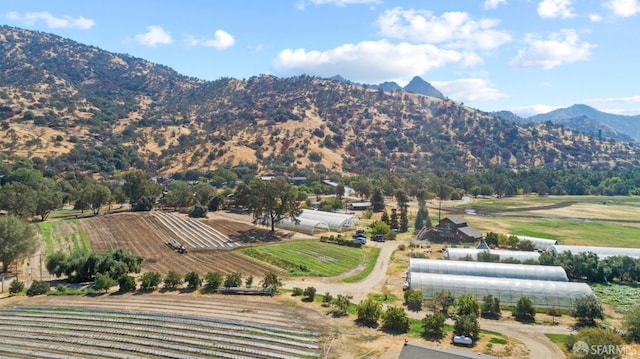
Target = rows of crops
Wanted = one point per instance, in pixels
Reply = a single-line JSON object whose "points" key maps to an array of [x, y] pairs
{"points": [[194, 233], [56, 332]]}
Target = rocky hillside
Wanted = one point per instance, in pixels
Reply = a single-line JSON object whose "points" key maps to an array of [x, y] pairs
{"points": [[77, 107]]}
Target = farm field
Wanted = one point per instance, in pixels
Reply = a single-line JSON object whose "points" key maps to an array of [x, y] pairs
{"points": [[157, 325], [575, 220], [146, 234]]}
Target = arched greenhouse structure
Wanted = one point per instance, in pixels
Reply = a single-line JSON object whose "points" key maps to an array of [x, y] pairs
{"points": [[539, 243], [463, 253], [304, 225], [484, 269], [336, 221], [543, 294], [602, 252]]}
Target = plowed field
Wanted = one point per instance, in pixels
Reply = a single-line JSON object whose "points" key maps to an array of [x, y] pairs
{"points": [[144, 234]]}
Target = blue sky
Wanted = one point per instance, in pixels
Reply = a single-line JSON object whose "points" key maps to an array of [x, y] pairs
{"points": [[527, 56]]}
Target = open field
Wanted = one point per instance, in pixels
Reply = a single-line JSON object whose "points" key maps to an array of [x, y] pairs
{"points": [[575, 220]]}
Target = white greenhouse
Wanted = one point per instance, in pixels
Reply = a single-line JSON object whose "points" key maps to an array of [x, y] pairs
{"points": [[336, 221], [543, 294], [539, 243], [483, 269], [602, 252], [304, 225], [463, 253]]}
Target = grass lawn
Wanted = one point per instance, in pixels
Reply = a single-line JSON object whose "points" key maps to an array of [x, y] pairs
{"points": [[314, 258]]}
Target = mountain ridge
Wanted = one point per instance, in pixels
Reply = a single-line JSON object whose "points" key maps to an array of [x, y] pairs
{"points": [[72, 106]]}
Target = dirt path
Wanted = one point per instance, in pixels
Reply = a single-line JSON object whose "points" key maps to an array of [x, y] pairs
{"points": [[359, 291]]}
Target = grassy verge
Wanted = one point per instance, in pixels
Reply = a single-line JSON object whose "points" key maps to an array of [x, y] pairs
{"points": [[311, 257], [372, 260], [84, 244], [46, 228]]}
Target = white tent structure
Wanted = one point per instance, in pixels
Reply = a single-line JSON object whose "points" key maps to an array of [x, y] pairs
{"points": [[540, 244], [336, 221], [542, 293], [602, 252], [464, 253], [484, 269], [304, 225]]}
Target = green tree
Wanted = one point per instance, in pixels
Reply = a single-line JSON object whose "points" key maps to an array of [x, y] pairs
{"points": [[248, 282], [213, 281], [369, 311], [172, 280], [271, 282], [150, 280], [47, 200], [18, 199], [586, 310], [403, 199], [233, 280], [17, 240], [490, 307], [99, 195], [468, 305], [326, 299], [339, 191], [393, 222], [103, 282], [433, 326], [395, 319], [413, 298], [524, 310], [379, 227], [309, 293], [199, 211], [467, 325], [341, 304], [16, 287], [140, 190], [203, 193], [127, 283], [377, 200], [444, 299], [272, 201], [193, 280], [179, 195], [38, 288]]}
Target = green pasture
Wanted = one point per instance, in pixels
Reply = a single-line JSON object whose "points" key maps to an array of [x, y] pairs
{"points": [[70, 240], [536, 201], [621, 297], [314, 258]]}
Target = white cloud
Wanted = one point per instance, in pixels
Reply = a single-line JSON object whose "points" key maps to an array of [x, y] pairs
{"points": [[530, 110], [369, 61], [154, 36], [623, 8], [451, 29], [550, 9], [222, 40], [595, 17], [492, 4], [561, 48], [30, 18], [471, 89]]}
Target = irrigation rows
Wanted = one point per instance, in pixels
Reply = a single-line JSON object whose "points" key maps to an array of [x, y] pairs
{"points": [[57, 332], [194, 233]]}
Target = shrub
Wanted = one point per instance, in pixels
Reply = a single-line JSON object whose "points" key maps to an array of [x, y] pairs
{"points": [[433, 326], [150, 280], [199, 211], [586, 310], [249, 281], [524, 310], [309, 293], [395, 319], [467, 325], [414, 300], [127, 283], [369, 311], [296, 291], [16, 287], [38, 288], [61, 288], [341, 304], [233, 280], [213, 280], [326, 299], [193, 280], [103, 282], [172, 280]]}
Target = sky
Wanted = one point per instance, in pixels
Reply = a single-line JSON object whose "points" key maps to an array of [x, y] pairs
{"points": [[525, 56]]}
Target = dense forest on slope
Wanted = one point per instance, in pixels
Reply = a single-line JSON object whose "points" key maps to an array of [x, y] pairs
{"points": [[79, 108]]}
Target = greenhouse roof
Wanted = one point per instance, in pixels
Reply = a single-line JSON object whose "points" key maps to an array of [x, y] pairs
{"points": [[304, 225], [538, 243], [602, 252], [498, 270], [509, 290], [336, 221], [462, 253]]}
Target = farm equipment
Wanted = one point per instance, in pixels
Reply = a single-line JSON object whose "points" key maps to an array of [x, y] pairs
{"points": [[177, 246]]}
